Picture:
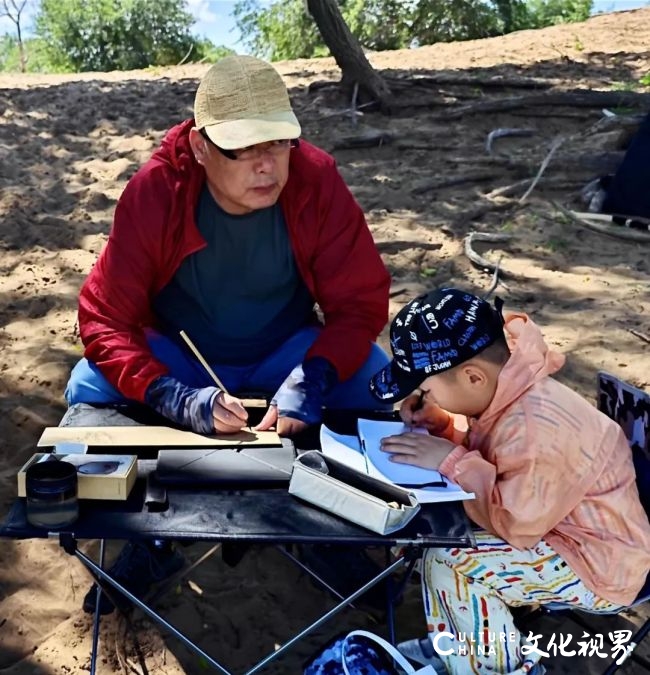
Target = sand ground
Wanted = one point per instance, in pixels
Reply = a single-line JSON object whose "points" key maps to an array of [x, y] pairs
{"points": [[68, 145]]}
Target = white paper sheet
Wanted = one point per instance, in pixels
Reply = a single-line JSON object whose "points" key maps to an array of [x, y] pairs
{"points": [[371, 433], [347, 450]]}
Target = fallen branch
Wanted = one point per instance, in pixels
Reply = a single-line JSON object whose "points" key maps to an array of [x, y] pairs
{"points": [[602, 162], [479, 260], [555, 145], [134, 667], [508, 190], [347, 111], [405, 144], [369, 139], [598, 126], [472, 81], [495, 281], [505, 133], [120, 660], [420, 101], [617, 231], [449, 79], [641, 336], [577, 98], [481, 209], [550, 183], [353, 104], [475, 177], [528, 113], [129, 629]]}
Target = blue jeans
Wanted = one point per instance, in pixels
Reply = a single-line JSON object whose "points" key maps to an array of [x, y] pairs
{"points": [[88, 385]]}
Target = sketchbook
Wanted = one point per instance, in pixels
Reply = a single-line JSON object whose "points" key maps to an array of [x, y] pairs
{"points": [[363, 453]]}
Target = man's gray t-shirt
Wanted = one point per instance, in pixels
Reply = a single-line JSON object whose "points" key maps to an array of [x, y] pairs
{"points": [[241, 296]]}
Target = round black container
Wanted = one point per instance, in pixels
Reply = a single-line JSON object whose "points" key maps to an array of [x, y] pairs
{"points": [[51, 490]]}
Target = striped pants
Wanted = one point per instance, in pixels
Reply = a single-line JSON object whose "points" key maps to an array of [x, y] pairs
{"points": [[467, 592]]}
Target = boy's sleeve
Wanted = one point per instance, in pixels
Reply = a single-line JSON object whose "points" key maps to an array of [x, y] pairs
{"points": [[456, 429], [526, 487]]}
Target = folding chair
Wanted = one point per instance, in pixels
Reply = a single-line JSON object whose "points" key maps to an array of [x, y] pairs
{"points": [[630, 407]]}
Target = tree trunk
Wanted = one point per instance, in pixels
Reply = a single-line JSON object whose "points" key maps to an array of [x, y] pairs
{"points": [[21, 50], [348, 54]]}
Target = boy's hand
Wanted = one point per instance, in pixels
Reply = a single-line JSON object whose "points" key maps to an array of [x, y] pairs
{"points": [[415, 411], [417, 449]]}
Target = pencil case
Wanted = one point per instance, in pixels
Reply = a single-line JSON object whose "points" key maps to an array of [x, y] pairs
{"points": [[371, 503]]}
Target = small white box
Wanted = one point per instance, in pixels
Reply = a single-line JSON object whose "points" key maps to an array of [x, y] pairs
{"points": [[98, 476], [374, 504]]}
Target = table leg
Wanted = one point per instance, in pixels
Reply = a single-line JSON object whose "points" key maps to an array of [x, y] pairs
{"points": [[327, 616], [103, 576], [390, 602], [311, 573], [97, 617]]}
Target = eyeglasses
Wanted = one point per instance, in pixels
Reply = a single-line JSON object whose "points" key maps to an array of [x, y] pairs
{"points": [[274, 148]]}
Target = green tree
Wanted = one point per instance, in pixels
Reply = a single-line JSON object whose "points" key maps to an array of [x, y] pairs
{"points": [[450, 20], [543, 13], [284, 30], [13, 10], [206, 50], [380, 24], [36, 60], [114, 34]]}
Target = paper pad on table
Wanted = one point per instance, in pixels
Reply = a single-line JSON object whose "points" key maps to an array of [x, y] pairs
{"points": [[347, 449]]}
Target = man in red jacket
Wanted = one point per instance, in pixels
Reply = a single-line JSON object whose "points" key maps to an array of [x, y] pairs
{"points": [[232, 232]]}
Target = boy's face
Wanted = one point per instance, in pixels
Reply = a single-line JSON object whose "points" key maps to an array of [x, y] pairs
{"points": [[467, 389]]}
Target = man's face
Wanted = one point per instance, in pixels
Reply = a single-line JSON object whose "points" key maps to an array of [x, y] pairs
{"points": [[251, 182]]}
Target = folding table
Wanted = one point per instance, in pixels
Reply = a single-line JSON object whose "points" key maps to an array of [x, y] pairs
{"points": [[255, 516]]}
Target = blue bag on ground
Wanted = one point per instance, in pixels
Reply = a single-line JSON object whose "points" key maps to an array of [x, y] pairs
{"points": [[361, 653]]}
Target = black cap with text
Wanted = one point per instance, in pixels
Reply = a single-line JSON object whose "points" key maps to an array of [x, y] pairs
{"points": [[433, 333]]}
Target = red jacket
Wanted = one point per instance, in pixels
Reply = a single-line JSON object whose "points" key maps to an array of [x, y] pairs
{"points": [[154, 230]]}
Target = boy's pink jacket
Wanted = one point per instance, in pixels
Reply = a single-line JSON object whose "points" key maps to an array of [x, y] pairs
{"points": [[545, 464]]}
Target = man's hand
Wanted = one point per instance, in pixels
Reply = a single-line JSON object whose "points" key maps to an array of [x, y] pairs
{"points": [[417, 449], [228, 414], [415, 411], [286, 426], [205, 410], [299, 400]]}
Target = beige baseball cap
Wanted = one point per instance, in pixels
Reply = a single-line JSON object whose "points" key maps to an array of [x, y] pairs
{"points": [[242, 101]]}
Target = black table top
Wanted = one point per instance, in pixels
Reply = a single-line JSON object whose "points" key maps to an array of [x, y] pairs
{"points": [[260, 515]]}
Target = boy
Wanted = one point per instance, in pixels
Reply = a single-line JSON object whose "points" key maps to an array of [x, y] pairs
{"points": [[556, 498]]}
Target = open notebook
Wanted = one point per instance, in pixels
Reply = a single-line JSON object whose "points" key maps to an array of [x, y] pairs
{"points": [[363, 453]]}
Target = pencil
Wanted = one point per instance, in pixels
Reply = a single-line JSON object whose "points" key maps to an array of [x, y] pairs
{"points": [[419, 405], [203, 362]]}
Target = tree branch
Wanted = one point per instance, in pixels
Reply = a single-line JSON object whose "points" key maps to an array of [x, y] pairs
{"points": [[578, 98]]}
